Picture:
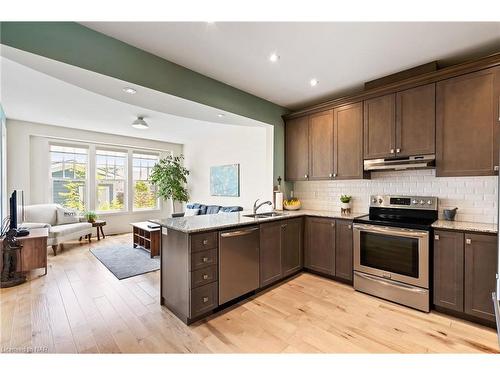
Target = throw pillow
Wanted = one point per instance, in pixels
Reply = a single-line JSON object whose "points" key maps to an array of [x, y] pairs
{"points": [[66, 216], [192, 212]]}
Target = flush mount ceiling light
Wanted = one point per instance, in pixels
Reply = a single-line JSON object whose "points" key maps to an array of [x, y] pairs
{"points": [[274, 57], [221, 115], [140, 123], [129, 90], [313, 82]]}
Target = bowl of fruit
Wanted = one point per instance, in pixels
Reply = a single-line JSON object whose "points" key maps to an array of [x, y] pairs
{"points": [[291, 204]]}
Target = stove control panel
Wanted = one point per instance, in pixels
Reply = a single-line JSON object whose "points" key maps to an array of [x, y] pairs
{"points": [[402, 201]]}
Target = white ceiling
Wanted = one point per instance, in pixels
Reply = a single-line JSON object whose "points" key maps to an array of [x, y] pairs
{"points": [[30, 95], [342, 56]]}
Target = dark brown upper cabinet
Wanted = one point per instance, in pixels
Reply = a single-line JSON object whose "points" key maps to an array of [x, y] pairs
{"points": [[380, 127], [467, 121], [401, 124], [320, 245], [481, 258], [416, 121], [321, 145], [449, 270], [297, 149], [348, 141], [343, 249]]}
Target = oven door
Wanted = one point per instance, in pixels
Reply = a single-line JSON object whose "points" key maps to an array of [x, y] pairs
{"points": [[392, 253]]}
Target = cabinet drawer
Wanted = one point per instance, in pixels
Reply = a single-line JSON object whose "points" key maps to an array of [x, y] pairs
{"points": [[203, 241], [203, 259], [203, 299], [203, 276]]}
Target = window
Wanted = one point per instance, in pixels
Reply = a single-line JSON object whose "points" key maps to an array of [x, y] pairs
{"points": [[111, 183], [68, 167], [144, 193]]}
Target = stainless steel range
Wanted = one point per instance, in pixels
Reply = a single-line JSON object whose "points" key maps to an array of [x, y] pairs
{"points": [[392, 249]]}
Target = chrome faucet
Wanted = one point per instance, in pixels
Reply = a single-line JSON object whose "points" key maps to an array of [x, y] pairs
{"points": [[256, 207]]}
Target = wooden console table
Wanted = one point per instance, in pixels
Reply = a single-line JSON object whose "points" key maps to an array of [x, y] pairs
{"points": [[34, 251], [146, 237]]}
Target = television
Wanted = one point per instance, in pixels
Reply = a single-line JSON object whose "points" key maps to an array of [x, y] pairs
{"points": [[16, 208]]}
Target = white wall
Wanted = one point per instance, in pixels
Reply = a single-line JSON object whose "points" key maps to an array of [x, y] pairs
{"points": [[3, 165], [475, 197], [251, 147], [28, 164]]}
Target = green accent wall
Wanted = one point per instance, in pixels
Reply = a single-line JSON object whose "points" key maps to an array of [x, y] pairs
{"points": [[77, 45]]}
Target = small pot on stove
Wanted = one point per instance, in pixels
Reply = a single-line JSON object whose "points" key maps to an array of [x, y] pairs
{"points": [[449, 213]]}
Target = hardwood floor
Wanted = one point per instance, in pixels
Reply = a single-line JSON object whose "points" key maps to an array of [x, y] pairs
{"points": [[80, 307]]}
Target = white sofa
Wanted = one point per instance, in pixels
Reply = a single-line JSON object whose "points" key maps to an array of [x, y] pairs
{"points": [[45, 216]]}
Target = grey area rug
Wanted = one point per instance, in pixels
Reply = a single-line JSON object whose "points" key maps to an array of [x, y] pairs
{"points": [[126, 261]]}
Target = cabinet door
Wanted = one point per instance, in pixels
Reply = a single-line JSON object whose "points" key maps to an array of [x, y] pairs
{"points": [[343, 249], [467, 124], [291, 254], [321, 145], [379, 127], [270, 252], [449, 270], [320, 245], [348, 141], [416, 121], [480, 274], [297, 149]]}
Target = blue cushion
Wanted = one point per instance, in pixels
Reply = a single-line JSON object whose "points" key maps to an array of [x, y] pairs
{"points": [[213, 209], [231, 209]]}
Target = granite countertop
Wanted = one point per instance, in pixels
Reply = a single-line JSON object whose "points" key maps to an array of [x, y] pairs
{"points": [[201, 223], [466, 226]]}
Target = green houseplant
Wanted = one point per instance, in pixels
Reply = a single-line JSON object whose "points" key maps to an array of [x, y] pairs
{"points": [[90, 216], [345, 203], [170, 178]]}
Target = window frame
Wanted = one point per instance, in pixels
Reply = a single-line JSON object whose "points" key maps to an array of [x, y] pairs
{"points": [[133, 180], [124, 179], [87, 168]]}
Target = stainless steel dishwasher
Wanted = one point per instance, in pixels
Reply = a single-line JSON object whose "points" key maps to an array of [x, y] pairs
{"points": [[238, 262]]}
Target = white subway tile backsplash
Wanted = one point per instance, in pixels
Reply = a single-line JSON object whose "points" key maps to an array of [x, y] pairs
{"points": [[475, 197]]}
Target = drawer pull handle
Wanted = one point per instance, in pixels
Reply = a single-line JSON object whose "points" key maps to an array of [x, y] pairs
{"points": [[398, 150], [468, 241], [205, 242], [205, 277], [436, 237], [204, 260], [392, 151], [205, 299]]}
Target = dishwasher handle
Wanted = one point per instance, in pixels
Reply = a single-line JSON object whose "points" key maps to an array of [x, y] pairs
{"points": [[237, 233]]}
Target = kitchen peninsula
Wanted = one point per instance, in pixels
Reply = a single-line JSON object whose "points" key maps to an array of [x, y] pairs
{"points": [[209, 260]]}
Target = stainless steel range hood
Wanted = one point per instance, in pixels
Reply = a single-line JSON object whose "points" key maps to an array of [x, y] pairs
{"points": [[400, 163]]}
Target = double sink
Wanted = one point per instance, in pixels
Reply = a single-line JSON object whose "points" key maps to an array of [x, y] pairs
{"points": [[264, 215]]}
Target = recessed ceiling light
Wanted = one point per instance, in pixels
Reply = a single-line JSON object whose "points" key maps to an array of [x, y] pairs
{"points": [[140, 123], [313, 82], [129, 90], [274, 57], [221, 115]]}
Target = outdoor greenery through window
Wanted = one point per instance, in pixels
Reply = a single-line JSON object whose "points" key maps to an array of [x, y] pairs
{"points": [[111, 184], [68, 167], [144, 194]]}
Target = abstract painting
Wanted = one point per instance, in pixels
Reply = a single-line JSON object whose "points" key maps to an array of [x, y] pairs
{"points": [[225, 180]]}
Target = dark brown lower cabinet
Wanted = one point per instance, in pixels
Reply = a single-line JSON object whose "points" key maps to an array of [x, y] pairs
{"points": [[320, 245], [465, 272], [280, 250], [343, 249], [449, 270], [480, 269], [291, 254]]}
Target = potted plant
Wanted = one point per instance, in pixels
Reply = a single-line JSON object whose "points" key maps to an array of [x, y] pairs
{"points": [[345, 203], [90, 216], [169, 177]]}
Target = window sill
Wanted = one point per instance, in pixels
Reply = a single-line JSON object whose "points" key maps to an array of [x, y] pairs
{"points": [[122, 213]]}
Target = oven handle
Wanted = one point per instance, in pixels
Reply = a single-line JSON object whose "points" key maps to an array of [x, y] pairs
{"points": [[391, 230], [392, 283]]}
